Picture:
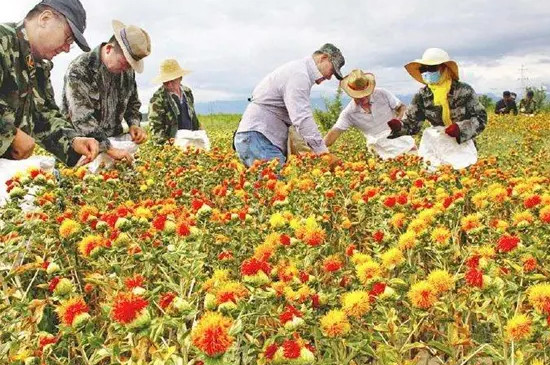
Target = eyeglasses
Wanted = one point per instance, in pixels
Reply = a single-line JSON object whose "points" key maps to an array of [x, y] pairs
{"points": [[428, 68], [69, 37]]}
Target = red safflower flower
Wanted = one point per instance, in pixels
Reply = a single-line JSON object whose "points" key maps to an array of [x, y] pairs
{"points": [[46, 340], [270, 351], [473, 262], [474, 277], [252, 266], [71, 308], [378, 236], [315, 301], [350, 250], [284, 239], [159, 221], [134, 282], [53, 283], [507, 243], [332, 264], [166, 299], [291, 349], [225, 255], [183, 229], [127, 307], [390, 202], [402, 199], [532, 201], [289, 313], [529, 264], [377, 289]]}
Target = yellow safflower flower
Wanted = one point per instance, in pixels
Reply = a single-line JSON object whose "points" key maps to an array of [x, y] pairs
{"points": [[355, 303], [68, 228], [441, 281], [392, 257], [335, 324], [519, 328]]}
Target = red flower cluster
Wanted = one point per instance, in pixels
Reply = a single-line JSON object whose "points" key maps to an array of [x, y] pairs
{"points": [[507, 243], [289, 314], [134, 282], [127, 306], [252, 266]]}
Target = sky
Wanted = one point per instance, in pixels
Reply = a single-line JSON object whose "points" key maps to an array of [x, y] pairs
{"points": [[231, 45]]}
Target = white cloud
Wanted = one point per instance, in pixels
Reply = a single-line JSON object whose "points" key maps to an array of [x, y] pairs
{"points": [[231, 45]]}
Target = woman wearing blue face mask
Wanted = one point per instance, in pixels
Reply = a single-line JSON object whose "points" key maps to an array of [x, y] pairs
{"points": [[451, 106]]}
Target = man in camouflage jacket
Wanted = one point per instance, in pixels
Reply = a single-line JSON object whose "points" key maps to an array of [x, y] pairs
{"points": [[27, 105], [100, 88], [468, 117], [164, 114], [466, 111]]}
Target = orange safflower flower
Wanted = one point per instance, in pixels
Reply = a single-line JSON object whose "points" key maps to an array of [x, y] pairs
{"points": [[211, 334]]}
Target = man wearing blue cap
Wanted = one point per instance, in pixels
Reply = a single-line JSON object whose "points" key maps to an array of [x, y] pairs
{"points": [[27, 107]]}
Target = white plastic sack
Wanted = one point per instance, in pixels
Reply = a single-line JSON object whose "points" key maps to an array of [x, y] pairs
{"points": [[390, 148], [103, 160], [441, 149], [9, 168], [185, 138]]}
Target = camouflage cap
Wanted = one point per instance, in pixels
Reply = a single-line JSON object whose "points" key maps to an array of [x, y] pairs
{"points": [[76, 17], [336, 58]]}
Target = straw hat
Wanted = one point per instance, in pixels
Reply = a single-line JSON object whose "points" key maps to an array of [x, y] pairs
{"points": [[135, 43], [431, 57], [358, 84], [170, 70]]}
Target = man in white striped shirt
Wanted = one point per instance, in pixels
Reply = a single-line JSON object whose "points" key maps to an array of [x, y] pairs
{"points": [[281, 100]]}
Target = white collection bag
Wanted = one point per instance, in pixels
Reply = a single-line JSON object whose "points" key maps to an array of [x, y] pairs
{"points": [[185, 138], [390, 148], [441, 149], [9, 168], [103, 160]]}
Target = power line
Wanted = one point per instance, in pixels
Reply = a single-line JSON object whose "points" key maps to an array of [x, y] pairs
{"points": [[523, 79]]}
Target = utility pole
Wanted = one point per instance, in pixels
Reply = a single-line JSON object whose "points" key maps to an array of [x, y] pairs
{"points": [[523, 79]]}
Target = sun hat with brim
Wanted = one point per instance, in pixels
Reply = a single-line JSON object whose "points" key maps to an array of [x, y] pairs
{"points": [[135, 43], [169, 70], [74, 13], [432, 57], [358, 84]]}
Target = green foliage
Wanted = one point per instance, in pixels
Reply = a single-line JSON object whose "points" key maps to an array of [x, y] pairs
{"points": [[327, 118], [487, 102], [540, 97]]}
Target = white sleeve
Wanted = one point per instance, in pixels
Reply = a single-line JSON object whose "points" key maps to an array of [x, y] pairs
{"points": [[344, 121], [393, 101], [296, 98]]}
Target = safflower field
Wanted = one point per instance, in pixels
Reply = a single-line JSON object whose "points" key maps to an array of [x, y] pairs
{"points": [[188, 258]]}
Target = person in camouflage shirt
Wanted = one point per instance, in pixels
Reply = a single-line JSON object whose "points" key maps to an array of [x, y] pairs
{"points": [[444, 101], [172, 106], [100, 88], [27, 107], [528, 105]]}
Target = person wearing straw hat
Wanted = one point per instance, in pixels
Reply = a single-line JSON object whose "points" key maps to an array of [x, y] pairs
{"points": [[172, 106], [28, 111], [100, 88], [450, 106], [369, 111], [281, 100]]}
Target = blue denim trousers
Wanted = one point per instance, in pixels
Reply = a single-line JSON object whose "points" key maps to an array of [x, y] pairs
{"points": [[252, 146]]}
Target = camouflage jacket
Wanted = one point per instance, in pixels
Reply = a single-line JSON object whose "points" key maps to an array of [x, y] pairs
{"points": [[97, 101], [26, 98], [164, 113], [528, 106], [466, 111]]}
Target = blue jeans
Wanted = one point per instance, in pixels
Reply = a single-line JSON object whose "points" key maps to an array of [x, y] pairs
{"points": [[252, 146]]}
